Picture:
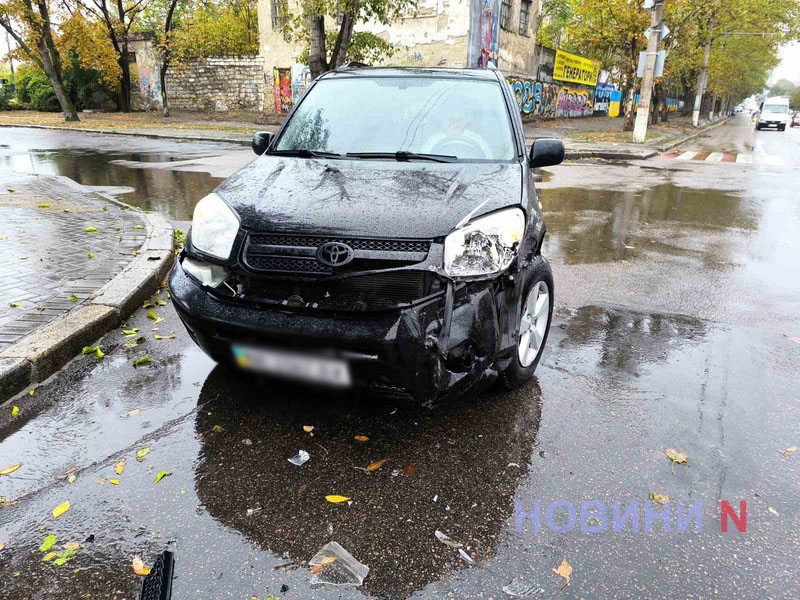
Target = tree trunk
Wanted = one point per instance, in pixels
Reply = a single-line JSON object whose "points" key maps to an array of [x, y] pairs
{"points": [[162, 77], [125, 81], [318, 54], [345, 37], [665, 107], [630, 114], [51, 68]]}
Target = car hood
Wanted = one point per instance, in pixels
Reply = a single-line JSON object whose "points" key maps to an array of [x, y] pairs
{"points": [[371, 198]]}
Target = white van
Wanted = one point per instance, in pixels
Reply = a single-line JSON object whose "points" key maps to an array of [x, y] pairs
{"points": [[774, 112]]}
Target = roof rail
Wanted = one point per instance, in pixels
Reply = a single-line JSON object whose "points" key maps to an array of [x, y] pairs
{"points": [[353, 64]]}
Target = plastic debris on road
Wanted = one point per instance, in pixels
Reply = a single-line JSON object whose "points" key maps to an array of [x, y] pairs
{"points": [[447, 540], [465, 557], [300, 458], [336, 566], [520, 589]]}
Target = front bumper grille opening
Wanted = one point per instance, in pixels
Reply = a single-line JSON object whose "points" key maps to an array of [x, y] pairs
{"points": [[288, 264], [368, 292]]}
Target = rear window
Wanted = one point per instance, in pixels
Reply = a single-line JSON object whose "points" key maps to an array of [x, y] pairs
{"points": [[424, 115]]}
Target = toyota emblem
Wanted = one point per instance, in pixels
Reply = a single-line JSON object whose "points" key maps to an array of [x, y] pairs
{"points": [[334, 254]]}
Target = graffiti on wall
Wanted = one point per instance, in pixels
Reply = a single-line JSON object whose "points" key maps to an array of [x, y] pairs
{"points": [[550, 100], [484, 33], [283, 89], [602, 99]]}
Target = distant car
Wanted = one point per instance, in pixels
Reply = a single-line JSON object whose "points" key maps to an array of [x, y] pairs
{"points": [[738, 109], [774, 112], [796, 120]]}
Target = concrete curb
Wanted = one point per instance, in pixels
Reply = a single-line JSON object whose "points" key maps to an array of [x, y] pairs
{"points": [[37, 356], [694, 135]]}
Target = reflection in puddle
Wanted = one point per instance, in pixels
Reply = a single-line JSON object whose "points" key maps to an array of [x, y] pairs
{"points": [[621, 343], [171, 193], [594, 225], [454, 468]]}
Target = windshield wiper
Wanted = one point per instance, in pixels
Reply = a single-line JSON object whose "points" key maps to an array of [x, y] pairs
{"points": [[306, 153], [403, 156]]}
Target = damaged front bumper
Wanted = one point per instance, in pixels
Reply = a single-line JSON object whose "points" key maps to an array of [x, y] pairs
{"points": [[442, 345]]}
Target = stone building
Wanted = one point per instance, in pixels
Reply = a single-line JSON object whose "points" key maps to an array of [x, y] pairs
{"points": [[447, 33]]}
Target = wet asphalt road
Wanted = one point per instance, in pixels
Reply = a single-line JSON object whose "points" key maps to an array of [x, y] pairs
{"points": [[677, 324]]}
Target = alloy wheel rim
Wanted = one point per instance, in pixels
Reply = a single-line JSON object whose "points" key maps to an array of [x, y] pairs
{"points": [[533, 324]]}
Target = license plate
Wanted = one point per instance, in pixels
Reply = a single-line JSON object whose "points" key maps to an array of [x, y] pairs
{"points": [[291, 365]]}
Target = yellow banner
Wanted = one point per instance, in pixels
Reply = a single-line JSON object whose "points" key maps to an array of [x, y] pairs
{"points": [[575, 69]]}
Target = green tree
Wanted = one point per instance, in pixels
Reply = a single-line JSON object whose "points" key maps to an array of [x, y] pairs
{"points": [[29, 23], [118, 17], [794, 101], [782, 87], [308, 26]]}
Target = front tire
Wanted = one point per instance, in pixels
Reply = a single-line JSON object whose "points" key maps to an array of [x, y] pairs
{"points": [[536, 314]]}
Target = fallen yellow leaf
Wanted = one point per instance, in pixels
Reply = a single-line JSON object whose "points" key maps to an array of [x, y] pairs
{"points": [[218, 428], [377, 465], [789, 451], [71, 546], [161, 475], [49, 556], [317, 569], [71, 478], [774, 512], [360, 438], [139, 567], [11, 469], [141, 453], [676, 457], [564, 570], [134, 412], [334, 499], [119, 467], [60, 509], [113, 481], [2, 546], [14, 411], [308, 428], [660, 498], [32, 393]]}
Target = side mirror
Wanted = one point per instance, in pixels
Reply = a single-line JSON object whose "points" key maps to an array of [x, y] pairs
{"points": [[261, 141], [546, 152]]}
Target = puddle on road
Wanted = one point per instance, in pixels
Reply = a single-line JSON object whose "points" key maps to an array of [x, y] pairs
{"points": [[170, 193], [597, 225]]}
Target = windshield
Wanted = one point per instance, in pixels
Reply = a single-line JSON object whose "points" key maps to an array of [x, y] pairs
{"points": [[459, 118], [778, 109]]}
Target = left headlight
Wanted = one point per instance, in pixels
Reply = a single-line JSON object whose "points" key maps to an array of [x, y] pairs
{"points": [[484, 246], [214, 227]]}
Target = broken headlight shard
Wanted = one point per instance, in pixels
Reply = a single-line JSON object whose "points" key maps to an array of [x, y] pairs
{"points": [[206, 273], [336, 566], [484, 246]]}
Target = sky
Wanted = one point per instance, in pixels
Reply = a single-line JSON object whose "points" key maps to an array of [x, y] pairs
{"points": [[790, 64]]}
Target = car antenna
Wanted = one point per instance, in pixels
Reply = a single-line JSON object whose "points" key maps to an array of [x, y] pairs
{"points": [[353, 64]]}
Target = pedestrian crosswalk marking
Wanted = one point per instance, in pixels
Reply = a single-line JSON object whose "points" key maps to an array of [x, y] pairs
{"points": [[759, 157]]}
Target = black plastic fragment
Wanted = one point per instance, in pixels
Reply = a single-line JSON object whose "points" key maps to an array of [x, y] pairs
{"points": [[157, 585]]}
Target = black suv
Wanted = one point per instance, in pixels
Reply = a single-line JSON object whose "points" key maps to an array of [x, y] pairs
{"points": [[388, 236]]}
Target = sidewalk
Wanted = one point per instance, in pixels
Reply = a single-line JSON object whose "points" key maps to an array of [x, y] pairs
{"points": [[63, 248], [588, 137]]}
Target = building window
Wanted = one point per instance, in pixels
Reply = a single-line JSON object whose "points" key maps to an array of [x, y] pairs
{"points": [[280, 14], [505, 14], [524, 16]]}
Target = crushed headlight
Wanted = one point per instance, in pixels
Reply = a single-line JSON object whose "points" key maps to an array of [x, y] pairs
{"points": [[205, 273], [484, 246], [214, 227]]}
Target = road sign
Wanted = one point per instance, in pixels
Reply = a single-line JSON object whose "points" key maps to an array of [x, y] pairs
{"points": [[661, 57], [662, 34]]}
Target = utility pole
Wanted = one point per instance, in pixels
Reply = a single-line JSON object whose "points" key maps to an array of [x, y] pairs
{"points": [[646, 91], [702, 79]]}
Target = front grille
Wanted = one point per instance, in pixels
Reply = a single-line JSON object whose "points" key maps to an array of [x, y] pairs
{"points": [[288, 264], [366, 292], [301, 241], [296, 254]]}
